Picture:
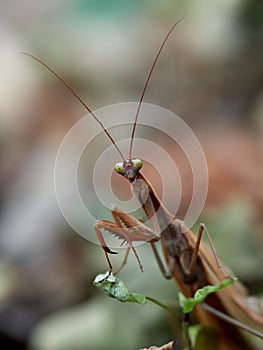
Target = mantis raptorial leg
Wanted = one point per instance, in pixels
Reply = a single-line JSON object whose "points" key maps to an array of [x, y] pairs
{"points": [[133, 231]]}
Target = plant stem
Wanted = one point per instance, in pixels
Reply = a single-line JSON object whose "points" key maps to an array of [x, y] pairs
{"points": [[165, 307]]}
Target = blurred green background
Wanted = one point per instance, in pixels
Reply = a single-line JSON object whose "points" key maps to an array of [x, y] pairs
{"points": [[210, 73]]}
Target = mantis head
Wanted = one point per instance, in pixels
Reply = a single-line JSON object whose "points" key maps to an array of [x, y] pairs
{"points": [[129, 168]]}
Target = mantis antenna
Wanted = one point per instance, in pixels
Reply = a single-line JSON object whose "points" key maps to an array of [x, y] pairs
{"points": [[78, 98], [147, 83]]}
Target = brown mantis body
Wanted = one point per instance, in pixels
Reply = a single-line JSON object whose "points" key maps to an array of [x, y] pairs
{"points": [[188, 259]]}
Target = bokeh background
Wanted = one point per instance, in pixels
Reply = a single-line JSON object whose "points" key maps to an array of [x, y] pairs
{"points": [[210, 73]]}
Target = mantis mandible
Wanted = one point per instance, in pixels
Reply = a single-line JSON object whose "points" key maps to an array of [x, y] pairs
{"points": [[188, 260]]}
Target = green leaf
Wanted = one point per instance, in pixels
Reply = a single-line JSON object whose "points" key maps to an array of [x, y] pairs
{"points": [[188, 304], [116, 288]]}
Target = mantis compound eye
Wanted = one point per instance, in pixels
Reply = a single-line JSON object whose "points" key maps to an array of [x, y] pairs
{"points": [[119, 168], [137, 163]]}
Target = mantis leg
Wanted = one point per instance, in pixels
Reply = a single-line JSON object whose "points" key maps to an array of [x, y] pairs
{"points": [[115, 229], [124, 261], [203, 229], [133, 230], [105, 248], [168, 274], [196, 249]]}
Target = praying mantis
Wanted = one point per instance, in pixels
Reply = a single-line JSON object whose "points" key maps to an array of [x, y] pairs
{"points": [[187, 259]]}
